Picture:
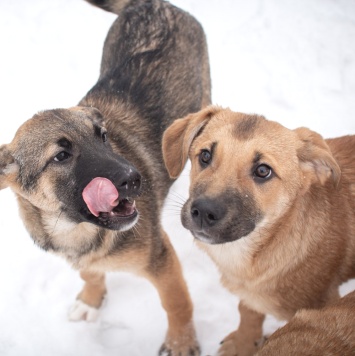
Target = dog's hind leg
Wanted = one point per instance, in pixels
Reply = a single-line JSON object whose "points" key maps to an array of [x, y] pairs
{"points": [[168, 279], [245, 340], [90, 298]]}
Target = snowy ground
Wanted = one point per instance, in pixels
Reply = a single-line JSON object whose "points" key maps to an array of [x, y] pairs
{"points": [[293, 61]]}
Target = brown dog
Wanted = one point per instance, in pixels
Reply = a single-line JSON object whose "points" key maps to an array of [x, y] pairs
{"points": [[327, 331], [274, 208], [91, 181]]}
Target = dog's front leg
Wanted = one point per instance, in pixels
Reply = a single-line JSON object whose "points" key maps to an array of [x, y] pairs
{"points": [[89, 300], [246, 339], [168, 279]]}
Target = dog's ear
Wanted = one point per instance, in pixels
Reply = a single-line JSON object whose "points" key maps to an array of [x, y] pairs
{"points": [[6, 165], [91, 112], [315, 156], [95, 115], [178, 138]]}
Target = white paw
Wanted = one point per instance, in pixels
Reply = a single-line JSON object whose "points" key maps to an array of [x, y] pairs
{"points": [[82, 311]]}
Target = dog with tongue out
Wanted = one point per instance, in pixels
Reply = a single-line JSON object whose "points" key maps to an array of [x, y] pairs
{"points": [[90, 180]]}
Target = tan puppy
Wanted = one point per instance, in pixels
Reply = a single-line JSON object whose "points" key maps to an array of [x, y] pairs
{"points": [[274, 208], [328, 331]]}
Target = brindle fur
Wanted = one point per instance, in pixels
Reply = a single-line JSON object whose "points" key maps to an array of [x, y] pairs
{"points": [[282, 243], [154, 69]]}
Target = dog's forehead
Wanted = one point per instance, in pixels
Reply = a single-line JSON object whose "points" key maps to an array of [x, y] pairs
{"points": [[247, 137], [227, 126], [244, 127], [47, 127], [237, 125]]}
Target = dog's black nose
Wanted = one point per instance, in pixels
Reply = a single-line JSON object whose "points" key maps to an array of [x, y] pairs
{"points": [[206, 212], [131, 182]]}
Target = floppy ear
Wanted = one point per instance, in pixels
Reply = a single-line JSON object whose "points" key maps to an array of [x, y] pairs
{"points": [[6, 160], [315, 156], [178, 138]]}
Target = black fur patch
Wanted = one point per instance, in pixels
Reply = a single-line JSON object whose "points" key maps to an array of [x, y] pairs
{"points": [[245, 128]]}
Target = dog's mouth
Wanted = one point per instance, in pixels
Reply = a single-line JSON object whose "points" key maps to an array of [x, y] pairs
{"points": [[106, 207], [125, 208]]}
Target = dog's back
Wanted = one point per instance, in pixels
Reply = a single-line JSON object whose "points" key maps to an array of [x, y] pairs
{"points": [[343, 150], [158, 76], [328, 331]]}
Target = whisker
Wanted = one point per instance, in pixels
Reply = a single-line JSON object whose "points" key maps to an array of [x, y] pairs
{"points": [[55, 225], [173, 207], [177, 195]]}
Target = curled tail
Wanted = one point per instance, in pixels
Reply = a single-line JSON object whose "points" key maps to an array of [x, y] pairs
{"points": [[114, 6]]}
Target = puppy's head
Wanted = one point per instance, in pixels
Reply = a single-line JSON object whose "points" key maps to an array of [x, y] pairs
{"points": [[61, 162], [246, 171]]}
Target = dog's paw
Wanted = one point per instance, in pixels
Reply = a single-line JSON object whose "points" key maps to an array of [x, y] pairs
{"points": [[81, 311], [228, 348], [183, 344], [234, 345], [166, 350], [260, 343]]}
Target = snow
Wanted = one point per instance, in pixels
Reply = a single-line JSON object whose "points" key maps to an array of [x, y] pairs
{"points": [[292, 61]]}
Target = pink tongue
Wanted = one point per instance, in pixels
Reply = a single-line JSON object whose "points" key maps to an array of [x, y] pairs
{"points": [[100, 196]]}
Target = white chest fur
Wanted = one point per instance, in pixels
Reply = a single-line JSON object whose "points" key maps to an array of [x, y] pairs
{"points": [[239, 275]]}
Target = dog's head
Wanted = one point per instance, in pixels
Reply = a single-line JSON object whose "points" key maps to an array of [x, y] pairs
{"points": [[246, 171], [60, 161]]}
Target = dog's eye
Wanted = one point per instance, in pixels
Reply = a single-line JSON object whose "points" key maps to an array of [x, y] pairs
{"points": [[62, 156], [205, 157], [263, 171]]}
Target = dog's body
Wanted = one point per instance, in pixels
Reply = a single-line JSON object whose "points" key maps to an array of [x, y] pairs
{"points": [[327, 331], [283, 200], [75, 190]]}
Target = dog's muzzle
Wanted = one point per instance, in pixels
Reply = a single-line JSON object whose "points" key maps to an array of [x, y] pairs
{"points": [[220, 219]]}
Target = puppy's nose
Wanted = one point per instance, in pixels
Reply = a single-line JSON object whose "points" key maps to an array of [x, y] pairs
{"points": [[131, 183], [206, 212]]}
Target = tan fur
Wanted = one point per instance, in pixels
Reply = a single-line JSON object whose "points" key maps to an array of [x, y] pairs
{"points": [[303, 245], [327, 331]]}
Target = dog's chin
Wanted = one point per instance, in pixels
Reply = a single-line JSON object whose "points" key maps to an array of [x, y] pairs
{"points": [[213, 239], [205, 238], [218, 236], [117, 223], [112, 220]]}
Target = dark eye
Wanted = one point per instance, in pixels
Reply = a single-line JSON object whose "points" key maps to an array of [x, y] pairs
{"points": [[62, 156], [205, 157], [263, 171], [104, 136]]}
